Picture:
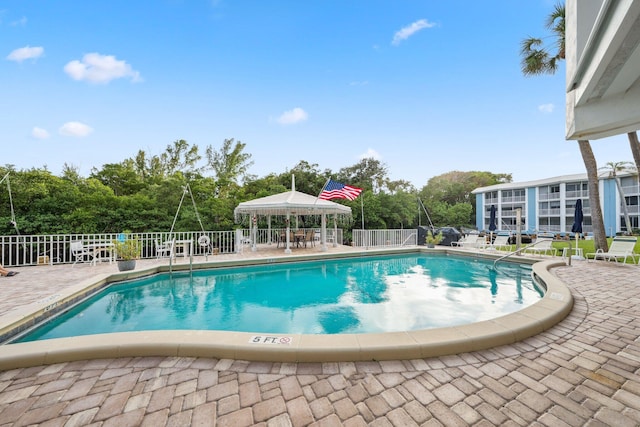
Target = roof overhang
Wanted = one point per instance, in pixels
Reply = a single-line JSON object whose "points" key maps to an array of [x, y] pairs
{"points": [[603, 68], [290, 203]]}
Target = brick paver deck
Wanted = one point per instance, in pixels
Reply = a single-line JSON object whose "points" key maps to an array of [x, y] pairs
{"points": [[583, 372]]}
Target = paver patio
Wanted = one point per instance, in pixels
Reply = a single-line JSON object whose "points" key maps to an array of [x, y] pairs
{"points": [[583, 372]]}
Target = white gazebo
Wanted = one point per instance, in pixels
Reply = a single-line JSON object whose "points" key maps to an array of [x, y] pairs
{"points": [[288, 204]]}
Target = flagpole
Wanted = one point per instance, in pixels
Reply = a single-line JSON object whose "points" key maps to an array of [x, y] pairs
{"points": [[362, 216], [323, 187], [362, 211]]}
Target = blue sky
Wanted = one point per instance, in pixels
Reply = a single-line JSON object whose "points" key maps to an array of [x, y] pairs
{"points": [[424, 86]]}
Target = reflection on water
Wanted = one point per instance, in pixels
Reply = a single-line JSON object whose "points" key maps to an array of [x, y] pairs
{"points": [[369, 294]]}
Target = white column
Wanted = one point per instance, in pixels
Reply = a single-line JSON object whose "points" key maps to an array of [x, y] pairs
{"points": [[323, 233], [288, 246]]}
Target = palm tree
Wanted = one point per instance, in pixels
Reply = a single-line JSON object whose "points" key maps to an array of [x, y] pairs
{"points": [[538, 59], [597, 220], [613, 168]]}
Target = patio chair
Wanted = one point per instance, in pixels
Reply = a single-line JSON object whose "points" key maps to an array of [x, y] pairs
{"points": [[500, 242], [463, 240], [473, 241], [622, 247], [310, 237], [81, 253], [164, 249], [542, 246]]}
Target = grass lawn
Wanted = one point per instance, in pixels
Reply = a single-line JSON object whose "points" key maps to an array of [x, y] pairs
{"points": [[588, 247]]}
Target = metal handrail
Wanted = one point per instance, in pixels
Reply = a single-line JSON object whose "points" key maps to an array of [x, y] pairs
{"points": [[514, 252]]}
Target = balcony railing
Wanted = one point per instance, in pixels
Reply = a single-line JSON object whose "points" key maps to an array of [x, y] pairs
{"points": [[511, 214], [514, 199], [549, 212], [577, 194], [549, 196]]}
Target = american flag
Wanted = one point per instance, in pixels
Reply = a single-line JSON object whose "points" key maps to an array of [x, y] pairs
{"points": [[336, 190]]}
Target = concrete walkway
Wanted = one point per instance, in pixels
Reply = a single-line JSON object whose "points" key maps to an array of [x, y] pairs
{"points": [[583, 372]]}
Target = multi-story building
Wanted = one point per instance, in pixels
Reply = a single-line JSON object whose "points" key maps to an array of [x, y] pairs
{"points": [[548, 205]]}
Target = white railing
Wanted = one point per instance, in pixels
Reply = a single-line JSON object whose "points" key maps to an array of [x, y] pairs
{"points": [[272, 236], [577, 194], [550, 212], [24, 250], [384, 238], [549, 196], [50, 249], [513, 199], [511, 214]]}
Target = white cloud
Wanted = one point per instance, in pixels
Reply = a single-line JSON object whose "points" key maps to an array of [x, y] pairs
{"points": [[20, 22], [410, 30], [370, 154], [293, 116], [39, 133], [75, 129], [27, 52], [96, 68], [546, 108]]}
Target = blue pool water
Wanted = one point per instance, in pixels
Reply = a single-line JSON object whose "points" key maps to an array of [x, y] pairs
{"points": [[368, 294]]}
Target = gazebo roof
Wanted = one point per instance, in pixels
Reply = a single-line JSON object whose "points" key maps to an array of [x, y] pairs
{"points": [[290, 203]]}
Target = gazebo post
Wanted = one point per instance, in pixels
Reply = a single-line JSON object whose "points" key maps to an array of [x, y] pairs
{"points": [[335, 230], [288, 248], [254, 232], [323, 232], [269, 230]]}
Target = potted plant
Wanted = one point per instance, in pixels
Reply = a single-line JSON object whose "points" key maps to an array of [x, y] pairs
{"points": [[432, 240], [127, 252]]}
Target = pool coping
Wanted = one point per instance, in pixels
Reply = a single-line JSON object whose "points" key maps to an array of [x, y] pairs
{"points": [[555, 305]]}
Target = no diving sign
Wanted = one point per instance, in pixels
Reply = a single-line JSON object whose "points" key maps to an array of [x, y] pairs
{"points": [[270, 339]]}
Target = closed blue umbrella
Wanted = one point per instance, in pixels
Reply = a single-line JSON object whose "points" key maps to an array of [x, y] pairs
{"points": [[492, 221], [492, 218], [578, 216]]}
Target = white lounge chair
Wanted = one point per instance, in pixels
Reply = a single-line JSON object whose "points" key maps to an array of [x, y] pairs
{"points": [[542, 246], [622, 247], [472, 241], [500, 242], [464, 240]]}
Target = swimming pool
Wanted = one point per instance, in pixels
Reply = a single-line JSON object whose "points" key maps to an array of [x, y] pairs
{"points": [[344, 296], [555, 305]]}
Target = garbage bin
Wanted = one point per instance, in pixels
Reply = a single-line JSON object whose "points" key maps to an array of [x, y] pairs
{"points": [[449, 235]]}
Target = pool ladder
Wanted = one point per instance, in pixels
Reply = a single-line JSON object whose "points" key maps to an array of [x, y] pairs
{"points": [[190, 264]]}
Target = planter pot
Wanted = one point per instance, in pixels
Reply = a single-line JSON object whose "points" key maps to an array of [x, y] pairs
{"points": [[431, 245], [126, 265]]}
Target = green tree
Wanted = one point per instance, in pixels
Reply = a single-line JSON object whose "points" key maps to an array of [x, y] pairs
{"points": [[368, 173], [122, 178], [453, 188], [537, 57], [309, 178], [229, 164]]}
